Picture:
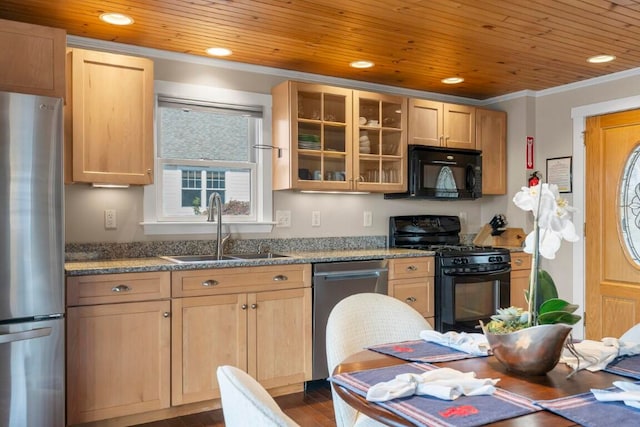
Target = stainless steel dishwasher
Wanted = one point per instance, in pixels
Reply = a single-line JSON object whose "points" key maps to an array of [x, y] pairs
{"points": [[332, 282]]}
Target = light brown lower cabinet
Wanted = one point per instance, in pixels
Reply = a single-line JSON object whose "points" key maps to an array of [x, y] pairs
{"points": [[520, 272], [411, 280], [266, 333], [117, 360], [146, 346]]}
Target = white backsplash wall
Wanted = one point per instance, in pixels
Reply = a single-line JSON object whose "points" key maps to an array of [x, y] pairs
{"points": [[340, 214]]}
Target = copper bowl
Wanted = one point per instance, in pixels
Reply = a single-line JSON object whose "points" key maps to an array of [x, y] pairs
{"points": [[531, 351]]}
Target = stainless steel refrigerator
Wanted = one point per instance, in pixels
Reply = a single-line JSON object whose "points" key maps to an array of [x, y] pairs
{"points": [[31, 262]]}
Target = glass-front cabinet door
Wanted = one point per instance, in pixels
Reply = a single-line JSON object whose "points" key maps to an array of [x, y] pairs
{"points": [[380, 142], [329, 138], [321, 137]]}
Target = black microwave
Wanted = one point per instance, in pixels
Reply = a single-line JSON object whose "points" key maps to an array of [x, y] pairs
{"points": [[442, 173]]}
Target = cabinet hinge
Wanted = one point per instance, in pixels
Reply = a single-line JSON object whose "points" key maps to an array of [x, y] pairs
{"points": [[584, 138], [584, 319]]}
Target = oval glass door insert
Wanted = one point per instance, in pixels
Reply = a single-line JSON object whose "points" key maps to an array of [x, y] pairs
{"points": [[630, 205]]}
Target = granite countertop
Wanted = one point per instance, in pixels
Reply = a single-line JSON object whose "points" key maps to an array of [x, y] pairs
{"points": [[135, 265]]}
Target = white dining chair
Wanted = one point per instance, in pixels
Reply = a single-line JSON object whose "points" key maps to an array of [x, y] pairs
{"points": [[246, 403], [363, 320]]}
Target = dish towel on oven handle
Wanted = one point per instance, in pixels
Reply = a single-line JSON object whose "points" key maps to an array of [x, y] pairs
{"points": [[630, 394], [443, 383], [475, 344]]}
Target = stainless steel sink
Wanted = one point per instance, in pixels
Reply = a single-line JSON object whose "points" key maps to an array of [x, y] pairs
{"points": [[185, 259], [264, 255], [182, 259]]}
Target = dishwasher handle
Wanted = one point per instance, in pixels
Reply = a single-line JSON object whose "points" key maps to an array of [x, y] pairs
{"points": [[352, 274]]}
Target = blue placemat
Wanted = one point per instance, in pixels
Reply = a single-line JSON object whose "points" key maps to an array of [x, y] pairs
{"points": [[585, 410], [421, 351], [466, 411], [626, 367]]}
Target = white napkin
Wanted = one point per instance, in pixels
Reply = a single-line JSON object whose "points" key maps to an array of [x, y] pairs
{"points": [[630, 342], [596, 355], [475, 344], [630, 394], [443, 383]]}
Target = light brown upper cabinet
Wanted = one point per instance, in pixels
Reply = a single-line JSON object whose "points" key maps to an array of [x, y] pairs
{"points": [[491, 138], [109, 119], [379, 141], [32, 59], [441, 125], [335, 139]]}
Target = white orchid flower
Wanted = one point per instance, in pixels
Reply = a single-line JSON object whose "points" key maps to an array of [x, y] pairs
{"points": [[552, 215]]}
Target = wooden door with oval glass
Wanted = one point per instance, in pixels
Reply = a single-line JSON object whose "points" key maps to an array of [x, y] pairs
{"points": [[612, 224]]}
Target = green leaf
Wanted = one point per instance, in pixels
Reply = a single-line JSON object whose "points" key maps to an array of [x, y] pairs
{"points": [[553, 317], [556, 304], [546, 287]]}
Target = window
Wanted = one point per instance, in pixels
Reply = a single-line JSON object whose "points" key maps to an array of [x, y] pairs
{"points": [[202, 147]]}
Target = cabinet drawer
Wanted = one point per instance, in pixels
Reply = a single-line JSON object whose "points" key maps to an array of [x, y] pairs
{"points": [[418, 294], [241, 279], [520, 261], [406, 268], [110, 288]]}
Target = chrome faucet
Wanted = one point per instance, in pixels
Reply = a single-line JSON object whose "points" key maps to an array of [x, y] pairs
{"points": [[215, 201]]}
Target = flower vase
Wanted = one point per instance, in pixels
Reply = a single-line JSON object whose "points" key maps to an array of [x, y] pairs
{"points": [[530, 351]]}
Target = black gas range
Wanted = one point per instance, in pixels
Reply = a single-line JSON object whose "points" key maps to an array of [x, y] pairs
{"points": [[439, 233], [471, 282]]}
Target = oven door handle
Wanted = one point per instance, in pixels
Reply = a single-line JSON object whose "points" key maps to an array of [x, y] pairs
{"points": [[483, 273]]}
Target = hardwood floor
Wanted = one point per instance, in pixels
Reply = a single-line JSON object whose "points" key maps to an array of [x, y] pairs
{"points": [[311, 408]]}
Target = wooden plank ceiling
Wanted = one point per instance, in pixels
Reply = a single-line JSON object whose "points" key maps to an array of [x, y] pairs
{"points": [[497, 46]]}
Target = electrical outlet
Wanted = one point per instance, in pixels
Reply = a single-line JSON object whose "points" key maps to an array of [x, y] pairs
{"points": [[367, 219], [110, 222], [315, 219], [283, 219]]}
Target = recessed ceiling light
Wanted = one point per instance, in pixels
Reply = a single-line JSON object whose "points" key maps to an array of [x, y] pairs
{"points": [[361, 64], [452, 80], [116, 18], [599, 59], [219, 51]]}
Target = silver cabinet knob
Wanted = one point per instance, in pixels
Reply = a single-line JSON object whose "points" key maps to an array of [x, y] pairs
{"points": [[243, 306], [209, 283], [412, 268], [280, 278], [254, 306], [121, 288], [411, 300], [166, 314], [518, 261]]}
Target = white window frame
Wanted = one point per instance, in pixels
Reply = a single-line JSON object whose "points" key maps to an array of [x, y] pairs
{"points": [[263, 223]]}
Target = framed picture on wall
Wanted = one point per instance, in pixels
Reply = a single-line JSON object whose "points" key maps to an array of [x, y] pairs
{"points": [[559, 171]]}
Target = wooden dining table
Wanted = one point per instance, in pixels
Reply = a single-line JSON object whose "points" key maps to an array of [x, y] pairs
{"points": [[553, 385]]}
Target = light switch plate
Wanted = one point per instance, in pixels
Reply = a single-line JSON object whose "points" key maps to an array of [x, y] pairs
{"points": [[283, 219], [315, 219], [367, 220]]}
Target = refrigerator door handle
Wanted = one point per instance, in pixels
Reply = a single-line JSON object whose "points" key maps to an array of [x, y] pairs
{"points": [[25, 335]]}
